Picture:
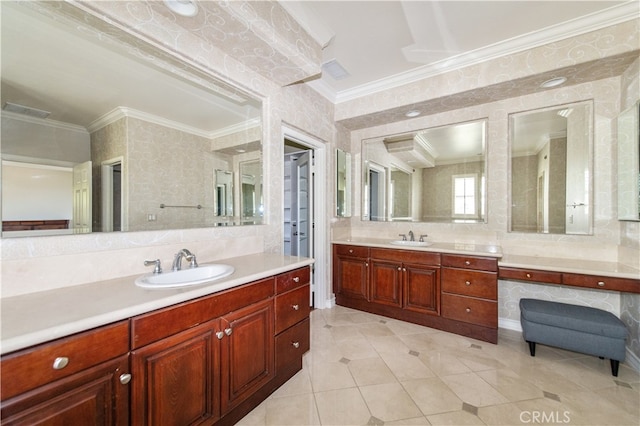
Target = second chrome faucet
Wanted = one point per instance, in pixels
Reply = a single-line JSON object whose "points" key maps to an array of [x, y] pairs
{"points": [[177, 260]]}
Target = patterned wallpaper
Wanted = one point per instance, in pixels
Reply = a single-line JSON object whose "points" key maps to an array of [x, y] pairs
{"points": [[493, 89]]}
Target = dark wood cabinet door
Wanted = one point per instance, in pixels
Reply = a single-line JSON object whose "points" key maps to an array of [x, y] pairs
{"points": [[422, 288], [175, 380], [386, 282], [248, 360], [94, 396], [351, 277]]}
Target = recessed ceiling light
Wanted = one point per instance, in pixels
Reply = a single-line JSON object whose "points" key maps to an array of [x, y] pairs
{"points": [[412, 113], [557, 81], [182, 7], [335, 69]]}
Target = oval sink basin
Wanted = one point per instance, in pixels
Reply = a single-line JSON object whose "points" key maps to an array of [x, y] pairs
{"points": [[186, 277], [411, 243]]}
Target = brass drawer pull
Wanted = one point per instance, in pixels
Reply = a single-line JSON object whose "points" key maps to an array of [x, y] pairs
{"points": [[295, 307], [467, 282], [466, 262], [60, 362], [468, 310], [600, 283], [295, 344], [296, 279], [528, 275]]}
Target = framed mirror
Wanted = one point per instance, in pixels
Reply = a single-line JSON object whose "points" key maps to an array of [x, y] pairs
{"points": [[137, 134], [343, 183], [629, 164], [430, 175], [551, 169]]}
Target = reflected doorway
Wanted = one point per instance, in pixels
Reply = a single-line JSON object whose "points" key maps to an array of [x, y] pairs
{"points": [[112, 195]]}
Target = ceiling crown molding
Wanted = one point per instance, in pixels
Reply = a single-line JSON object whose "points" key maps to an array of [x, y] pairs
{"points": [[596, 21]]}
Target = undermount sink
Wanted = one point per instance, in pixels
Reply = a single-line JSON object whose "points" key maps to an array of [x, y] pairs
{"points": [[186, 277], [411, 243]]}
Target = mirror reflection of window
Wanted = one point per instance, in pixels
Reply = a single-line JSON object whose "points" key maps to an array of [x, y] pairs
{"points": [[465, 199], [421, 165]]}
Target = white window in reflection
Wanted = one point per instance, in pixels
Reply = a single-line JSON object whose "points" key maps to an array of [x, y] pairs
{"points": [[465, 200]]}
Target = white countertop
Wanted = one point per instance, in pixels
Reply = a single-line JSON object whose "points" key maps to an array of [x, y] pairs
{"points": [[39, 317], [452, 248], [578, 266]]}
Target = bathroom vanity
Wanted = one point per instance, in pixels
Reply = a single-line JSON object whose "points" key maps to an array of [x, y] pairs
{"points": [[208, 359], [445, 286], [454, 287]]}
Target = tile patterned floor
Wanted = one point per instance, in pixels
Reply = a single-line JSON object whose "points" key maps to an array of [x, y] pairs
{"points": [[365, 369]]}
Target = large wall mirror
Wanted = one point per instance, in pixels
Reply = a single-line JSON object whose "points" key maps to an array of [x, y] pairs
{"points": [[629, 164], [551, 169], [99, 134], [343, 183], [430, 175]]}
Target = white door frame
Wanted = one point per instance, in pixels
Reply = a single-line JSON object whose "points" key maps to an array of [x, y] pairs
{"points": [[107, 194], [320, 215]]}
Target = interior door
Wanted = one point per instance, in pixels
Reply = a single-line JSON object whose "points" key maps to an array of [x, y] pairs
{"points": [[301, 221], [82, 198]]}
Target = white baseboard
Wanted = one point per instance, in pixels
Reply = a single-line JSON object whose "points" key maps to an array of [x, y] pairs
{"points": [[632, 360]]}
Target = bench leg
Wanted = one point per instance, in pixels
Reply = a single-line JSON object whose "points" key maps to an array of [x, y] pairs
{"points": [[532, 348], [614, 367]]}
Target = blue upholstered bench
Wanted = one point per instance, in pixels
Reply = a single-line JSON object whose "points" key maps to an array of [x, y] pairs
{"points": [[576, 328]]}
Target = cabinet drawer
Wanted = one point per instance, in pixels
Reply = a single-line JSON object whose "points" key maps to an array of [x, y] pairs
{"points": [[531, 275], [470, 262], [292, 307], [471, 310], [406, 256], [291, 345], [293, 279], [602, 283], [42, 364], [156, 325], [470, 283], [353, 251]]}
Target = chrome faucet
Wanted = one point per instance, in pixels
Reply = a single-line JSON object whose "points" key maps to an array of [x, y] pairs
{"points": [[177, 260], [411, 237]]}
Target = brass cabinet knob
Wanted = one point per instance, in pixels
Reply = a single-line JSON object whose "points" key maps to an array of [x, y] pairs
{"points": [[600, 283], [296, 279], [467, 282], [219, 335], [295, 344], [468, 310], [295, 307]]}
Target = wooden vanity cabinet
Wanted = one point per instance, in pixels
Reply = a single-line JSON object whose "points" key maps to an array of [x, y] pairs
{"points": [[470, 292], [80, 379], [194, 362], [350, 272], [405, 279]]}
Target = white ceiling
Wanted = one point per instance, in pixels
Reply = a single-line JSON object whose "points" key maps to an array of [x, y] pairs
{"points": [[385, 43]]}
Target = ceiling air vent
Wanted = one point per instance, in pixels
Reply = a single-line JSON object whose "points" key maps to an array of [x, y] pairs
{"points": [[25, 110]]}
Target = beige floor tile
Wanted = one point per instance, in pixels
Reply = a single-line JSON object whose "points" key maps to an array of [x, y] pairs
{"points": [[293, 410], [505, 414], [366, 369], [389, 402], [342, 407], [357, 348], [406, 366], [455, 418], [432, 396], [473, 390], [509, 384], [388, 344], [331, 375], [371, 371], [418, 421], [299, 384], [443, 363]]}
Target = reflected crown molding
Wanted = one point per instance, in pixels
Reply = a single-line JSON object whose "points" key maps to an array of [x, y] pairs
{"points": [[122, 112], [43, 122]]}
